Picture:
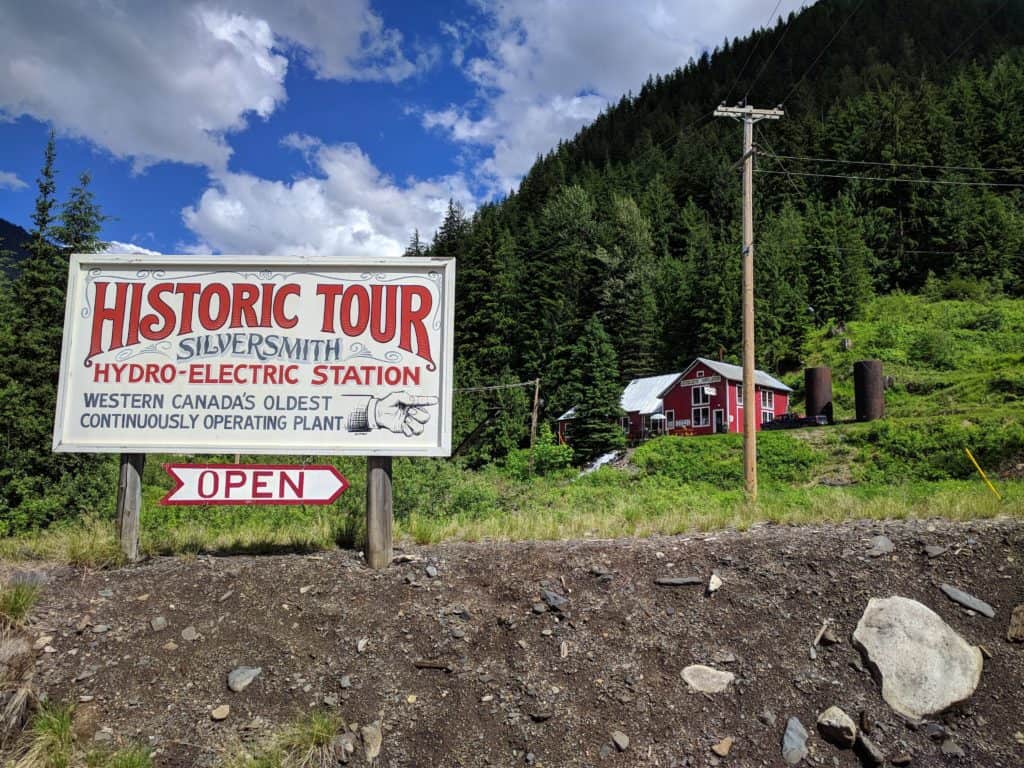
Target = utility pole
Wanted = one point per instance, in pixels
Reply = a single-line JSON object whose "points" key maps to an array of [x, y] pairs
{"points": [[748, 116]]}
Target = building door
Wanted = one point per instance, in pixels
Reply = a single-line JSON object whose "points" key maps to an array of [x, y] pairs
{"points": [[719, 421]]}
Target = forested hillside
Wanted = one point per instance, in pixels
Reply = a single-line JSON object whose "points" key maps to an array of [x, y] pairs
{"points": [[897, 165]]}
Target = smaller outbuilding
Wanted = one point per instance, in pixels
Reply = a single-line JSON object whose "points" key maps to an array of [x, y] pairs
{"points": [[706, 398]]}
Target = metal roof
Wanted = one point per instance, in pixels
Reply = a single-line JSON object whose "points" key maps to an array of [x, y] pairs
{"points": [[644, 395], [735, 373]]}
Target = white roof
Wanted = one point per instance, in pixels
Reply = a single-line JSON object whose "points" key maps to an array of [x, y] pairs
{"points": [[640, 395], [735, 373], [644, 395]]}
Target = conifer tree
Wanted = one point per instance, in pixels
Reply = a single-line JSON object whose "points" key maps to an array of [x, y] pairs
{"points": [[596, 430]]}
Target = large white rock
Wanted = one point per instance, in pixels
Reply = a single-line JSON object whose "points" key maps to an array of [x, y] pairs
{"points": [[922, 664], [707, 679]]}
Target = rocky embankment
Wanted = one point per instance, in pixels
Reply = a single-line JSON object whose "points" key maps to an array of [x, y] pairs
{"points": [[859, 644]]}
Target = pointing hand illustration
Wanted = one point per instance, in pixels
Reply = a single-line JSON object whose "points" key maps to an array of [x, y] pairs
{"points": [[403, 412]]}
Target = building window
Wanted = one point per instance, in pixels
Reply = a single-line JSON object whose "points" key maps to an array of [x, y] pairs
{"points": [[766, 417], [701, 416], [700, 374], [739, 396], [768, 399], [700, 396], [670, 419]]}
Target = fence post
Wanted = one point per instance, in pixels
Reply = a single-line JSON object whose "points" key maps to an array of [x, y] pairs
{"points": [[379, 511], [129, 503]]}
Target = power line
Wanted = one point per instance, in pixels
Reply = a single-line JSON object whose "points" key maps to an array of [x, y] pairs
{"points": [[895, 180], [764, 66], [822, 53], [976, 168], [749, 57], [975, 31], [530, 383]]}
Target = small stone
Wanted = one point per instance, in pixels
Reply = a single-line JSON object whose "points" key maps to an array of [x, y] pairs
{"points": [[620, 740], [458, 633], [189, 634], [85, 698], [723, 657], [343, 745], [170, 645], [714, 584], [794, 742], [880, 545], [106, 593], [539, 608], [158, 623], [678, 581], [968, 601], [707, 679], [837, 727], [431, 571], [346, 681], [410, 699], [361, 645], [767, 717], [372, 739], [42, 642], [722, 748], [866, 723], [828, 637], [951, 749], [304, 590], [241, 678], [1015, 632], [903, 758], [221, 712], [934, 550], [101, 629], [935, 731], [554, 601], [868, 751]]}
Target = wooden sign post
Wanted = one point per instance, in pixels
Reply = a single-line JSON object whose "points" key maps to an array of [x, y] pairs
{"points": [[129, 502], [378, 511]]}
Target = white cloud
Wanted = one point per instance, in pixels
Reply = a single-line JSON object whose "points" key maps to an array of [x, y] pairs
{"points": [[346, 207], [115, 246], [169, 81], [10, 180], [551, 67]]}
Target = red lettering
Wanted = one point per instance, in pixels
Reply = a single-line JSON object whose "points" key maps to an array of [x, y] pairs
{"points": [[163, 311], [266, 305], [259, 483], [385, 308], [281, 320], [188, 293], [358, 296], [330, 294], [297, 485], [207, 474], [101, 314], [243, 300], [206, 318], [412, 321], [233, 478], [133, 315]]}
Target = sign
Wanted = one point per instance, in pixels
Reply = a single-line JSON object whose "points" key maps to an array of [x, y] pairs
{"points": [[701, 381], [253, 484], [257, 355]]}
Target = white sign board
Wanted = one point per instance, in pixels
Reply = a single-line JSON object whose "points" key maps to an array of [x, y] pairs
{"points": [[253, 484], [257, 355]]}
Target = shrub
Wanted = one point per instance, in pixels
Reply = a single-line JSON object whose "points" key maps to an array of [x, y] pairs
{"points": [[545, 458]]}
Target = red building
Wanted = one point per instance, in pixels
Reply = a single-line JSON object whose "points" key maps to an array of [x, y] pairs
{"points": [[706, 398]]}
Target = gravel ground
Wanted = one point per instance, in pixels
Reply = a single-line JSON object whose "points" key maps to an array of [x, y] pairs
{"points": [[455, 651]]}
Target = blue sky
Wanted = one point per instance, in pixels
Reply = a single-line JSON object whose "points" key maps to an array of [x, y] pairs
{"points": [[329, 127]]}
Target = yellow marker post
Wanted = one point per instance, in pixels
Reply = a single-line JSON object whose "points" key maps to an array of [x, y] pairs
{"points": [[981, 472]]}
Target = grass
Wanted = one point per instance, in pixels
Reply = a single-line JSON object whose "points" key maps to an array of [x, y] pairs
{"points": [[51, 741], [16, 600], [305, 743]]}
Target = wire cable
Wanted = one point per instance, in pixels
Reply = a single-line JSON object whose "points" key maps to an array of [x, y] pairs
{"points": [[975, 31], [880, 163], [530, 383], [785, 31], [895, 180], [750, 56], [822, 53]]}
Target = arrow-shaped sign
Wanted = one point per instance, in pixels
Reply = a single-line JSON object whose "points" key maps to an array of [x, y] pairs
{"points": [[253, 484]]}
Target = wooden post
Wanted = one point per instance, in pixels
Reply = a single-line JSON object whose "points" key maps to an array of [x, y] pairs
{"points": [[129, 502], [536, 406], [378, 511]]}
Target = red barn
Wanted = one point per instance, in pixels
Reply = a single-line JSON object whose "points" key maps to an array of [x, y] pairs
{"points": [[706, 398]]}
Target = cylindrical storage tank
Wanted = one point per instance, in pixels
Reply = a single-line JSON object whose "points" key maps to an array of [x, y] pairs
{"points": [[868, 390], [818, 389]]}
